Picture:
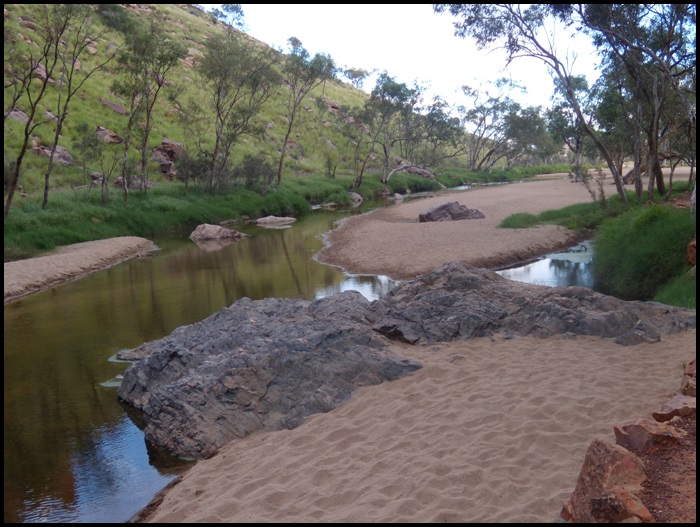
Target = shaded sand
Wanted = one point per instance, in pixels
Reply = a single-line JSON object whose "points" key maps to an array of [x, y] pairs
{"points": [[487, 431], [25, 277]]}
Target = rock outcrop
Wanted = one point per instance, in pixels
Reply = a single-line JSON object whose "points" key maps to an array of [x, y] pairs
{"points": [[610, 486], [275, 222], [268, 364], [206, 231], [452, 211], [458, 301], [256, 365]]}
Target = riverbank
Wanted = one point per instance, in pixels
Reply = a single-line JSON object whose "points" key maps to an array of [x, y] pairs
{"points": [[25, 277], [487, 430], [391, 241]]}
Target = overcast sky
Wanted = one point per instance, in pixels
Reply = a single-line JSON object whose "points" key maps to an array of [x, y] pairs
{"points": [[408, 41]]}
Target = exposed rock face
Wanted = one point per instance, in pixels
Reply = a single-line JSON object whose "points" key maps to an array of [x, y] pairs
{"points": [[264, 364], [452, 211], [108, 136], [644, 434], [114, 106], [167, 153], [269, 364], [18, 115], [458, 301], [61, 155], [679, 405]]}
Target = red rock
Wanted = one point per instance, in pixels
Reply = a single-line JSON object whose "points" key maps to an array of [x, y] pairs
{"points": [[607, 487], [644, 434], [682, 405]]}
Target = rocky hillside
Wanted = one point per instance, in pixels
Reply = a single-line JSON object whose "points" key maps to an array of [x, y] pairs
{"points": [[317, 136]]}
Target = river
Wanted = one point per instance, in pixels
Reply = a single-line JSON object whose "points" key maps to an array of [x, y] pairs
{"points": [[72, 453]]}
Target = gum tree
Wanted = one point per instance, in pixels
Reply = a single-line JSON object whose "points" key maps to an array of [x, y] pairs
{"points": [[302, 73]]}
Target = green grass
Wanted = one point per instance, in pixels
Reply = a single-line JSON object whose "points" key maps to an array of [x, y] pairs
{"points": [[679, 292], [642, 250]]}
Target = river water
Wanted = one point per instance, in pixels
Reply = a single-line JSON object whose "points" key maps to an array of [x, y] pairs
{"points": [[72, 454]]}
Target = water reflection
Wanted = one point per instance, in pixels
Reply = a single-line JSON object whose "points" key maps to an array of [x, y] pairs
{"points": [[370, 286], [71, 454], [568, 268]]}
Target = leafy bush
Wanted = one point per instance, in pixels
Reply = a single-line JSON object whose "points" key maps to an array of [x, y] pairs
{"points": [[521, 220], [255, 174]]}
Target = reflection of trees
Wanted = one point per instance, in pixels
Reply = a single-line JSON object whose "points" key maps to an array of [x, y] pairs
{"points": [[57, 343], [568, 273]]}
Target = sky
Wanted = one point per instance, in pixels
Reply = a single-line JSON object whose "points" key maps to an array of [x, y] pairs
{"points": [[411, 43]]}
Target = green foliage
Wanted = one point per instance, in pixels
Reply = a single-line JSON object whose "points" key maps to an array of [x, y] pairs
{"points": [[255, 173], [521, 220], [641, 250], [404, 183], [679, 292], [114, 16]]}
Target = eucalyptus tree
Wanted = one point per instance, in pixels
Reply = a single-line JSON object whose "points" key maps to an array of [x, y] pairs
{"points": [[437, 136], [148, 59], [231, 14], [655, 44], [528, 139], [302, 73], [72, 75], [519, 29], [563, 124], [356, 76], [238, 77], [62, 33], [354, 127], [388, 113], [484, 119], [665, 34]]}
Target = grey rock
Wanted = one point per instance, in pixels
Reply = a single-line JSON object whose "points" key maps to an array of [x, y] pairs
{"points": [[256, 365], [458, 301], [451, 211], [269, 364]]}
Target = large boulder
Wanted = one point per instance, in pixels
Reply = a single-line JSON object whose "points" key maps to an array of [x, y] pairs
{"points": [[206, 231], [256, 365], [458, 301], [608, 488], [61, 155], [268, 364], [108, 136], [275, 222], [451, 211]]}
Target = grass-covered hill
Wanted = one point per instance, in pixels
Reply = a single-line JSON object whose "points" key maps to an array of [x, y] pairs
{"points": [[317, 136]]}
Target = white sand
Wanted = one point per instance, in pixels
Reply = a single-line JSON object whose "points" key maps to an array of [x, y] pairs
{"points": [[25, 277]]}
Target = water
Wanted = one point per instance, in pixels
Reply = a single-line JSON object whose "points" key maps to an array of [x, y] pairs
{"points": [[567, 268], [72, 454]]}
